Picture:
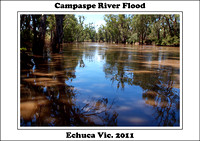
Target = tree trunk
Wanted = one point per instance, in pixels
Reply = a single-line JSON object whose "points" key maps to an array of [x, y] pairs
{"points": [[34, 35], [158, 34], [51, 36], [174, 25], [164, 33], [39, 37], [42, 32], [57, 40], [170, 30], [142, 39]]}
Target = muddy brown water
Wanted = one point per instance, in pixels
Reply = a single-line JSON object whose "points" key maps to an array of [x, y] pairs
{"points": [[99, 84]]}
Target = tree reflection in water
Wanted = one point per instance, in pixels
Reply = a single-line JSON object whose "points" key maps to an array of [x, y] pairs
{"points": [[46, 99], [145, 82], [153, 74], [165, 103]]}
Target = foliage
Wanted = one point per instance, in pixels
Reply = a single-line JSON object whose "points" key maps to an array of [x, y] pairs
{"points": [[170, 41], [23, 49], [142, 29], [133, 38], [70, 27]]}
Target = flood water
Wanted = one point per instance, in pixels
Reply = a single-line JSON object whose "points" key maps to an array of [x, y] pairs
{"points": [[99, 84]]}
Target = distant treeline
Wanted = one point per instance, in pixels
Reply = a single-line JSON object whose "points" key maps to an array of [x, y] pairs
{"points": [[141, 29]]}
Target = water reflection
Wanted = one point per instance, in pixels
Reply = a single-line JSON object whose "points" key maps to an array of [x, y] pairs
{"points": [[165, 101], [155, 73], [92, 84], [46, 99]]}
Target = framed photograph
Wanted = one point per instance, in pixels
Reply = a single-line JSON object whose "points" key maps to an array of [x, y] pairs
{"points": [[100, 70], [92, 70]]}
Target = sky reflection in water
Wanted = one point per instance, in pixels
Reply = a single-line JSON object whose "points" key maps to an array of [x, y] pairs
{"points": [[97, 84]]}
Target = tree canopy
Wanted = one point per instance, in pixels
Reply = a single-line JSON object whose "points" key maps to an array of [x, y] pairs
{"points": [[122, 28]]}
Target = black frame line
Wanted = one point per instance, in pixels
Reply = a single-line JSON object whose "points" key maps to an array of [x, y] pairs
{"points": [[98, 11], [199, 69], [98, 0], [99, 140], [118, 128], [17, 68], [0, 71]]}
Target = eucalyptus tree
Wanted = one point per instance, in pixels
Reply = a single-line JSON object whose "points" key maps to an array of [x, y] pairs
{"points": [[80, 29], [124, 27], [51, 25], [165, 29], [140, 25], [25, 29], [173, 24], [70, 28], [101, 33], [89, 32], [92, 32], [57, 40], [39, 32], [112, 27]]}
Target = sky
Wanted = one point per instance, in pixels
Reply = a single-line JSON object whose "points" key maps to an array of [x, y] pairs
{"points": [[97, 19]]}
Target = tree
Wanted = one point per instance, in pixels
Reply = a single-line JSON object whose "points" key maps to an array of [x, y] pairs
{"points": [[70, 28], [58, 35], [124, 22], [112, 27], [51, 26], [144, 29], [80, 29], [140, 25], [39, 31], [100, 33]]}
